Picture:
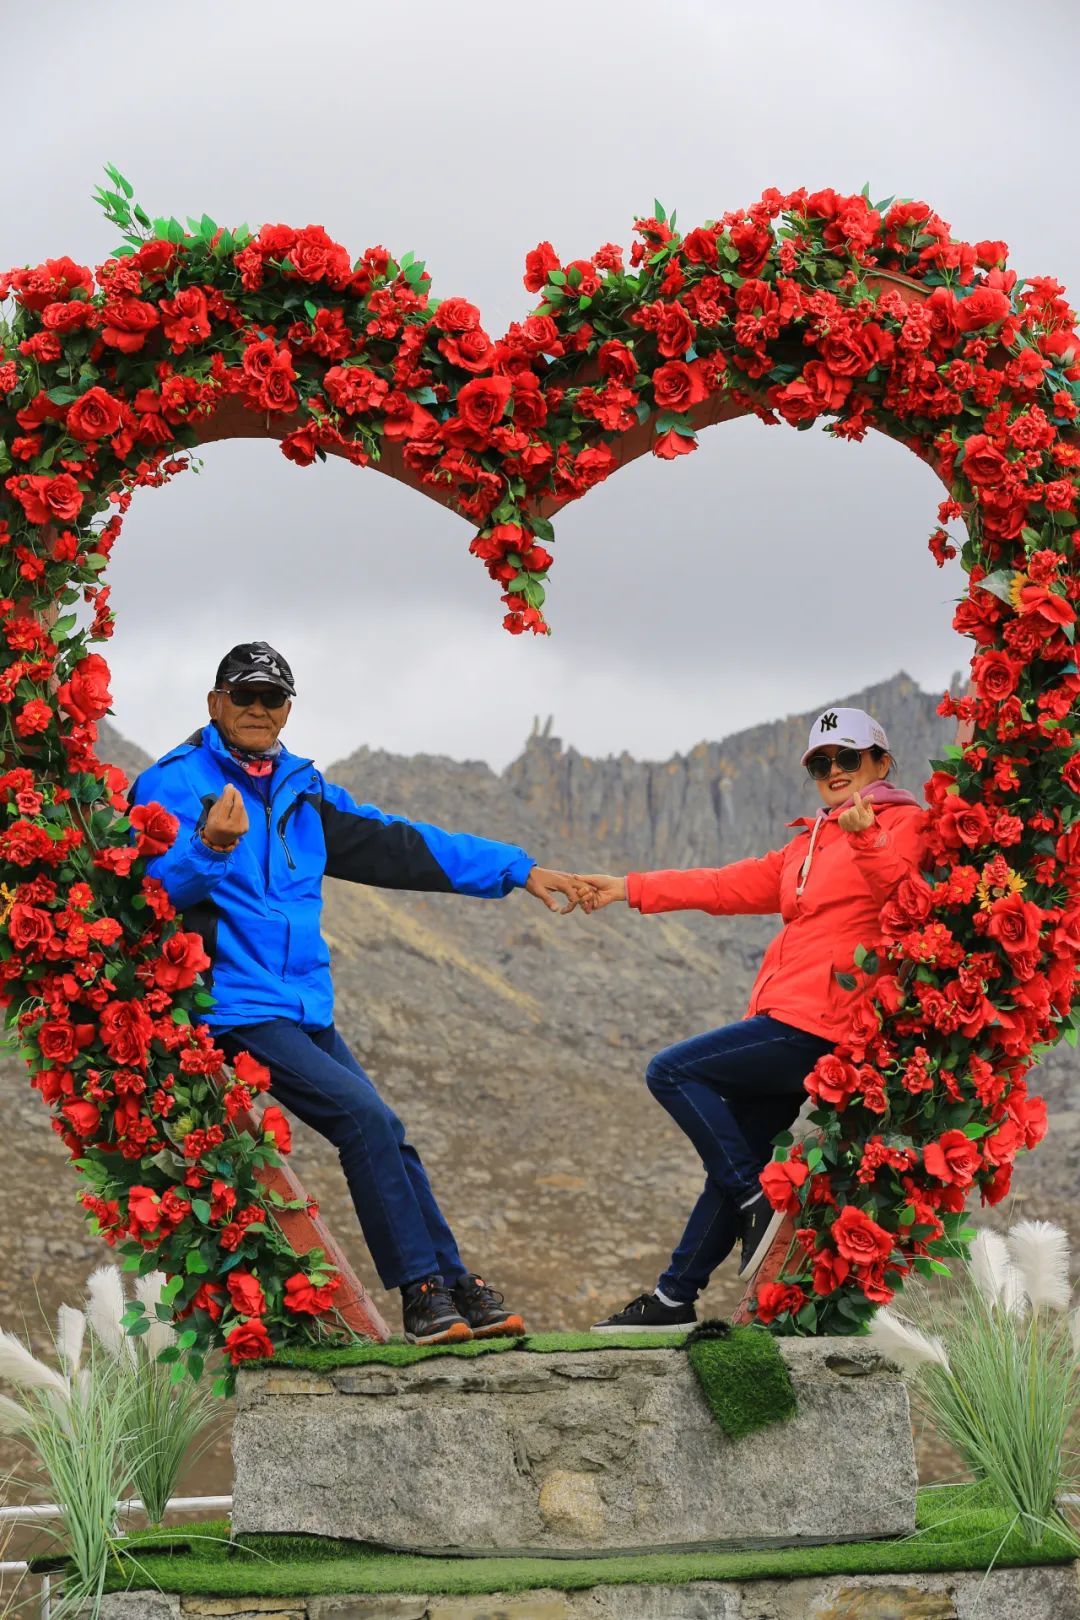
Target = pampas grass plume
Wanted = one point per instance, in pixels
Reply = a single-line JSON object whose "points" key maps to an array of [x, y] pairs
{"points": [[905, 1344], [160, 1334], [105, 1308], [990, 1265], [20, 1367], [1040, 1252], [70, 1333]]}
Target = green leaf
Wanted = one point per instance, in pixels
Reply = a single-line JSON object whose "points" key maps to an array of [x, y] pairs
{"points": [[846, 981], [860, 955], [200, 1208], [195, 1265]]}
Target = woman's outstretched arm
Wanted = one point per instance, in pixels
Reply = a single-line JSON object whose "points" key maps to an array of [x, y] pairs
{"points": [[744, 887]]}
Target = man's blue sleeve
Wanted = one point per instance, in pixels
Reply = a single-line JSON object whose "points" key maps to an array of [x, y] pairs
{"points": [[365, 845], [190, 870]]}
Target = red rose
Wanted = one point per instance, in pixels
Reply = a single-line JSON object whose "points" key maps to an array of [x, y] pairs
{"points": [[677, 386], [472, 351], [126, 323], [852, 350], [908, 908], [537, 264], [33, 717], [986, 306], [276, 1125], [27, 926], [181, 961], [775, 1298], [85, 695], [832, 1081], [250, 1072], [126, 1030], [157, 828], [859, 1239], [953, 1159], [1046, 605], [1015, 923], [963, 823], [675, 333], [806, 397], [84, 1117], [248, 1341], [481, 403], [144, 1210], [781, 1183], [830, 1270], [245, 1294], [671, 444], [96, 415], [189, 318], [996, 675], [58, 1041], [617, 361], [208, 1299], [984, 464], [943, 313], [303, 1298], [456, 315], [45, 499]]}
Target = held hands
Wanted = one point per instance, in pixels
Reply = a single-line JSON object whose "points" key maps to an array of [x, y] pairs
{"points": [[227, 821], [858, 816], [543, 881], [590, 893]]}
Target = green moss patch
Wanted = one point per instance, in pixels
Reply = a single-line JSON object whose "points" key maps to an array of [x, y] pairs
{"points": [[959, 1529], [744, 1379]]}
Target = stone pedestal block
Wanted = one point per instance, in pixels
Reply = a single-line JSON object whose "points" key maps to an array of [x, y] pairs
{"points": [[590, 1451]]}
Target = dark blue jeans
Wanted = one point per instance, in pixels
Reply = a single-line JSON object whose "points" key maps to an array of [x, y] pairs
{"points": [[316, 1076], [731, 1090]]}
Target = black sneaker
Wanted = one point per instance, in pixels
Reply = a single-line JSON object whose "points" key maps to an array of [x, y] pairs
{"points": [[430, 1315], [483, 1309], [760, 1226], [647, 1314]]}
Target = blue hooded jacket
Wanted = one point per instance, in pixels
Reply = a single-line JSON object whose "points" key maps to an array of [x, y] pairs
{"points": [[259, 907]]}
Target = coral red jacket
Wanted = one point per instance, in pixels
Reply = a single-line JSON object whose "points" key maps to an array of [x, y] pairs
{"points": [[828, 885]]}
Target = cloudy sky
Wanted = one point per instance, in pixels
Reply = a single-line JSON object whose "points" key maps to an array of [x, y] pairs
{"points": [[769, 572]]}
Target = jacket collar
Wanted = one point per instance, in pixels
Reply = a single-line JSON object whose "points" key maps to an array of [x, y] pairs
{"points": [[210, 738]]}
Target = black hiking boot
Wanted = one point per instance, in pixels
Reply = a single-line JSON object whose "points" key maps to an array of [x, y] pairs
{"points": [[647, 1314], [483, 1309], [430, 1315], [760, 1224]]}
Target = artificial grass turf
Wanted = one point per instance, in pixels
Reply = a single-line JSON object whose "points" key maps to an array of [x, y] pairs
{"points": [[397, 1353], [959, 1529], [742, 1374]]}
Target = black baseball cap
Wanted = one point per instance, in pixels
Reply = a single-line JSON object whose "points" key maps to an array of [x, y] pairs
{"points": [[255, 661]]}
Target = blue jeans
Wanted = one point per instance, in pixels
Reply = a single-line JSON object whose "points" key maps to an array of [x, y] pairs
{"points": [[731, 1090], [316, 1076]]}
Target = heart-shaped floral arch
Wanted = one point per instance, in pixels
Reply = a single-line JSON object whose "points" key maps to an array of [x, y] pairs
{"points": [[800, 308]]}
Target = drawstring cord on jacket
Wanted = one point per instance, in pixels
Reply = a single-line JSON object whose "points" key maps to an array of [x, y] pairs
{"points": [[804, 870]]}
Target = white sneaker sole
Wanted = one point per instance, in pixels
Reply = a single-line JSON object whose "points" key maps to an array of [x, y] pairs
{"points": [[675, 1327], [768, 1237]]}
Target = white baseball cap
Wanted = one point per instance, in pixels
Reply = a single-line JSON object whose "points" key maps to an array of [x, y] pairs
{"points": [[845, 728]]}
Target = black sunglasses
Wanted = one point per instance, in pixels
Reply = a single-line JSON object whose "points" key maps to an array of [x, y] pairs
{"points": [[822, 765], [271, 697]]}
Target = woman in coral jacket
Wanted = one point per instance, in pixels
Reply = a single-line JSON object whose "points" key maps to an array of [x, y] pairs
{"points": [[736, 1088]]}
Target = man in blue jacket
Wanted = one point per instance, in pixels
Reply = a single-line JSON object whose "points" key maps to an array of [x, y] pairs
{"points": [[259, 829]]}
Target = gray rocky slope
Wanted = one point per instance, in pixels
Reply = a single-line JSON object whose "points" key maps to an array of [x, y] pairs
{"points": [[513, 1042]]}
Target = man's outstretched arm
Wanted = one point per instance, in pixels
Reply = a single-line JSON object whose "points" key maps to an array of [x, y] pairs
{"points": [[366, 845]]}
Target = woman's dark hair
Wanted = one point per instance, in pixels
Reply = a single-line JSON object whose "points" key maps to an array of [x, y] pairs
{"points": [[878, 754]]}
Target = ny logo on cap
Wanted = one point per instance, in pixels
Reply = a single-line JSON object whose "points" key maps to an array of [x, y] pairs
{"points": [[828, 722]]}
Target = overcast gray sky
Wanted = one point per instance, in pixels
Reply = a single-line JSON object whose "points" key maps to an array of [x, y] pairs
{"points": [[770, 571]]}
